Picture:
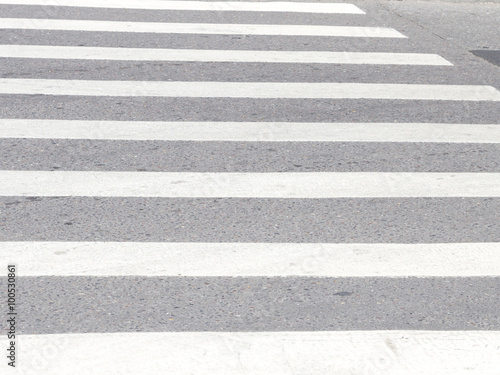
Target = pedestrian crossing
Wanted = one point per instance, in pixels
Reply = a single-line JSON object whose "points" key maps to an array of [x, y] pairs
{"points": [[312, 185], [143, 54], [194, 259], [209, 131], [202, 28], [151, 268], [409, 352], [260, 90], [200, 5]]}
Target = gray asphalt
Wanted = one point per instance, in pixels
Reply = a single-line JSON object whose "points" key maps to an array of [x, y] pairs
{"points": [[257, 304], [471, 25], [230, 72], [129, 304], [162, 156], [144, 15], [403, 220], [210, 109]]}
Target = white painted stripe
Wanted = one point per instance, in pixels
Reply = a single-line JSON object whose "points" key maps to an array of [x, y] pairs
{"points": [[199, 5], [249, 185], [259, 90], [249, 131], [252, 259], [257, 353], [197, 28], [152, 54]]}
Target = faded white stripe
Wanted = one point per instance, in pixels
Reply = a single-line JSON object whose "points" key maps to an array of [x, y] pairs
{"points": [[197, 28], [259, 90], [257, 353], [249, 131], [199, 5], [152, 54], [252, 259], [249, 185]]}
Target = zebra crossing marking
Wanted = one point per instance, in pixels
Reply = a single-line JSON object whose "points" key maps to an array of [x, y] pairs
{"points": [[256, 353], [249, 185], [149, 259], [257, 90], [409, 352], [193, 55], [278, 6], [198, 28], [249, 131]]}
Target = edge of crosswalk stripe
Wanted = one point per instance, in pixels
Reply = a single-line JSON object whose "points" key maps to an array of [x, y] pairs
{"points": [[249, 131], [249, 185], [278, 6], [198, 28], [167, 259], [256, 353], [193, 55], [257, 90]]}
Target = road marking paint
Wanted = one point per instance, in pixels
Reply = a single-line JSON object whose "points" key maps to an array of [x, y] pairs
{"points": [[197, 28], [153, 54], [249, 131], [256, 353], [258, 90], [150, 259], [249, 185], [279, 6]]}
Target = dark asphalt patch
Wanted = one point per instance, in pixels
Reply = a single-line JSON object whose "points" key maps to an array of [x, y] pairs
{"points": [[492, 56]]}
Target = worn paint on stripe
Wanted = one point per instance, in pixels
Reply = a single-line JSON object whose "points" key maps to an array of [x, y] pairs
{"points": [[249, 185], [258, 90], [152, 54], [249, 131], [278, 6], [257, 353], [252, 259], [197, 28]]}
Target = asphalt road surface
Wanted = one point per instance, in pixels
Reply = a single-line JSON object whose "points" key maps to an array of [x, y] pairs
{"points": [[250, 187]]}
